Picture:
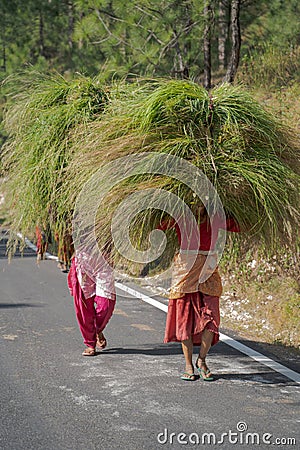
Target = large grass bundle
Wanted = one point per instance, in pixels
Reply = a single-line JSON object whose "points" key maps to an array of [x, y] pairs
{"points": [[250, 158], [42, 113], [63, 133]]}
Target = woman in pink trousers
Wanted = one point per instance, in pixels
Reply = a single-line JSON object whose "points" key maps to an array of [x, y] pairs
{"points": [[94, 300]]}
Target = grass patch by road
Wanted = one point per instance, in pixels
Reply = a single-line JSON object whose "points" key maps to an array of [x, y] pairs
{"points": [[262, 310]]}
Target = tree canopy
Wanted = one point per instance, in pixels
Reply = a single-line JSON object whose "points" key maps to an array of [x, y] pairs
{"points": [[157, 38]]}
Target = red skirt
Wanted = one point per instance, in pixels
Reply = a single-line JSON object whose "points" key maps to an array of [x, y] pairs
{"points": [[190, 315]]}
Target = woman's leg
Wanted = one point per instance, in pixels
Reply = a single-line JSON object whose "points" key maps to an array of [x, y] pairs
{"points": [[210, 334], [85, 313], [187, 348], [84, 310], [104, 309], [206, 341], [207, 338]]}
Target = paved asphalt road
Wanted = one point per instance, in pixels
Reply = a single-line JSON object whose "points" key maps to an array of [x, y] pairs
{"points": [[129, 396]]}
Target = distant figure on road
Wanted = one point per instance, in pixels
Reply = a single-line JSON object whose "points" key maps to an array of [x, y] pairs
{"points": [[42, 241], [65, 251], [193, 312], [94, 300]]}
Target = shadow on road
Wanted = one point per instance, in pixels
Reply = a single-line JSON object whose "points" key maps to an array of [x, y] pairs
{"points": [[267, 377], [19, 305]]}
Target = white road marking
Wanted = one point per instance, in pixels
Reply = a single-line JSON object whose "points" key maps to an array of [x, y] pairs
{"points": [[141, 296], [259, 357], [34, 247], [262, 359]]}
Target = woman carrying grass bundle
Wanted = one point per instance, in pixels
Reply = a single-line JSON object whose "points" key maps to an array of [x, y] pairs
{"points": [[65, 250], [94, 300], [193, 312], [41, 243]]}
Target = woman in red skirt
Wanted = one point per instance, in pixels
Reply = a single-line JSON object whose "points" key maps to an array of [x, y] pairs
{"points": [[193, 312]]}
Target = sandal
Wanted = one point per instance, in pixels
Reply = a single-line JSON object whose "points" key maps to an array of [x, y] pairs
{"points": [[101, 341], [206, 375], [89, 351], [188, 376]]}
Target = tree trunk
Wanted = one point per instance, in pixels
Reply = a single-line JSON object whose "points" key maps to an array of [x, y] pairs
{"points": [[41, 35], [4, 57], [222, 33], [236, 41], [3, 66], [70, 23], [207, 44], [183, 69]]}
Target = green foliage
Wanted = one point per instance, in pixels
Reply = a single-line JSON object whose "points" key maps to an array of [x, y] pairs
{"points": [[274, 23], [271, 67], [44, 111], [32, 31], [143, 37]]}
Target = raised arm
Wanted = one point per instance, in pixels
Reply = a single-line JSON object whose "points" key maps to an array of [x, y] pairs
{"points": [[232, 225]]}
